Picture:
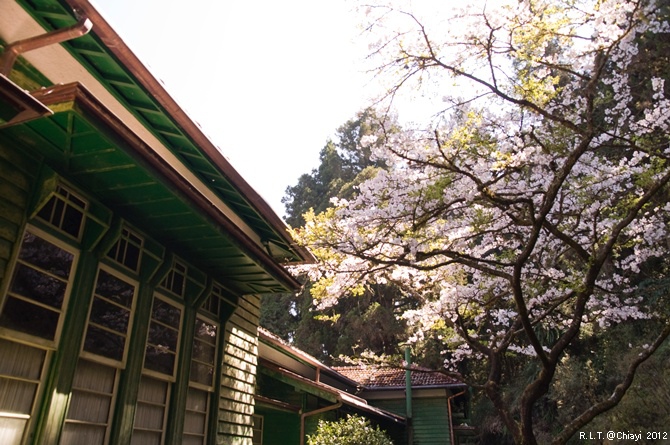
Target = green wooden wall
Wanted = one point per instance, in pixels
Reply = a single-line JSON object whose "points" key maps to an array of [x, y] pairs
{"points": [[430, 418], [280, 428], [238, 379], [17, 174]]}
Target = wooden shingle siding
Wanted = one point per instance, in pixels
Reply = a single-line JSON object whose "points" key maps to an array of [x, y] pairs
{"points": [[238, 374], [17, 175]]}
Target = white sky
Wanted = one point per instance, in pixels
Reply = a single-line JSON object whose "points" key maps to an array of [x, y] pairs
{"points": [[269, 81]]}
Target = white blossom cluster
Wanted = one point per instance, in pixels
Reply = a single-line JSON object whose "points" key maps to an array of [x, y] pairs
{"points": [[538, 195]]}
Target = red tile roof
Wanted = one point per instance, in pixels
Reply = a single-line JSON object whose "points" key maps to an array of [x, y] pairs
{"points": [[381, 377]]}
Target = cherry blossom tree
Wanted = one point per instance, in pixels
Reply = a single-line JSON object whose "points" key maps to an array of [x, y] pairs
{"points": [[531, 211]]}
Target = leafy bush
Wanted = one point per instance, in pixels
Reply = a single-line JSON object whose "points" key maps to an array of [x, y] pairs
{"points": [[354, 430]]}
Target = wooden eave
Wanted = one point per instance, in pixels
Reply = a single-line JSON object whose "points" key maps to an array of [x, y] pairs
{"points": [[324, 391], [17, 105], [104, 54], [91, 147]]}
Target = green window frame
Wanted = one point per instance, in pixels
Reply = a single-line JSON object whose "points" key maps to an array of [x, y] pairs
{"points": [[159, 371], [33, 307], [257, 429], [39, 289]]}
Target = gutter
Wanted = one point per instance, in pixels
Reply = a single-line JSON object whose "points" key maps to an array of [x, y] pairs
{"points": [[303, 416], [14, 49]]}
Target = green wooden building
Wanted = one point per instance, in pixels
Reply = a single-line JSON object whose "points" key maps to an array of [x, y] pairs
{"points": [[438, 412], [132, 255], [294, 391]]}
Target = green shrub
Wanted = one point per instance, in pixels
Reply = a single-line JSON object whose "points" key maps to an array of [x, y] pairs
{"points": [[354, 430]]}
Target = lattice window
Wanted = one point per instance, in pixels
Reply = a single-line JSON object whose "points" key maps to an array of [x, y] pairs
{"points": [[92, 399], [160, 361], [258, 430], [127, 251], [110, 316], [64, 211], [175, 281], [203, 366], [151, 413], [21, 368], [39, 288]]}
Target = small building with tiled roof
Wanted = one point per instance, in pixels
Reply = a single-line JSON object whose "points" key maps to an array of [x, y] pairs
{"points": [[374, 377], [438, 411], [294, 390]]}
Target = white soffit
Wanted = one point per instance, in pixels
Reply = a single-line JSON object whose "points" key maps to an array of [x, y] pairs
{"points": [[60, 67]]}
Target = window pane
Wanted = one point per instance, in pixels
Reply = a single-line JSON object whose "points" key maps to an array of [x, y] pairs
{"points": [[109, 315], [72, 221], [114, 289], [45, 255], [197, 400], [104, 343], [150, 416], [205, 331], [159, 360], [153, 391], [145, 438], [193, 440], [82, 434], [203, 374], [95, 377], [164, 338], [26, 317], [132, 257], [88, 407], [11, 430], [194, 423], [203, 352], [16, 396], [38, 286], [165, 312], [20, 360]]}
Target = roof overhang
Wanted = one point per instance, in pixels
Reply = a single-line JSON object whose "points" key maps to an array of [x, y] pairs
{"points": [[122, 84], [17, 105], [88, 144], [326, 392]]}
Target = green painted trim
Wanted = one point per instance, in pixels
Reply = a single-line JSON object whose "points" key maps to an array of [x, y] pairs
{"points": [[298, 385], [101, 62], [58, 387], [177, 407], [126, 402], [13, 218]]}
